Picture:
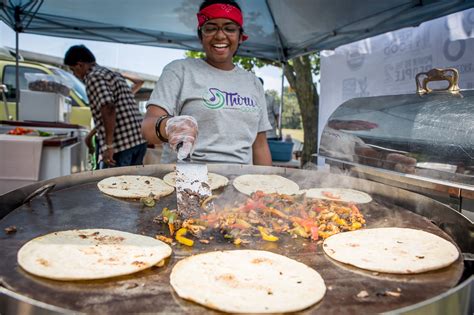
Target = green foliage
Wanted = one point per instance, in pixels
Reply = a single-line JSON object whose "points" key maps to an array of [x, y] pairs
{"points": [[195, 54], [291, 116], [315, 63], [244, 62]]}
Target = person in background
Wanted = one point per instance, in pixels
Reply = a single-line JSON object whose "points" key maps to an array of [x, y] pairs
{"points": [[273, 112], [90, 140], [115, 113], [225, 102]]}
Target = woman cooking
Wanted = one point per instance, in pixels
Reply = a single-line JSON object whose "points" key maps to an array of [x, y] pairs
{"points": [[210, 108]]}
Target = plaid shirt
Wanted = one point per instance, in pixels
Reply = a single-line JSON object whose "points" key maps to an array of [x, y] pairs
{"points": [[107, 87]]}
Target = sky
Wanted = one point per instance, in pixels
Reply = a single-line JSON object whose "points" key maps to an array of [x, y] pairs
{"points": [[142, 59]]}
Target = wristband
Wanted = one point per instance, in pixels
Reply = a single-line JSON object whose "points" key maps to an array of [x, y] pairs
{"points": [[157, 127], [109, 146]]}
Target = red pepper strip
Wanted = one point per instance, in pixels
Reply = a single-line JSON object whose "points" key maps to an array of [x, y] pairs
{"points": [[331, 195], [307, 224], [210, 218], [317, 209], [314, 233], [355, 210], [258, 194], [252, 205]]}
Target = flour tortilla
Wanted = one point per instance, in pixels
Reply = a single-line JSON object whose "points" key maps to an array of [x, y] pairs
{"points": [[247, 281], [216, 181], [347, 195], [90, 254], [250, 183], [391, 250], [134, 186]]}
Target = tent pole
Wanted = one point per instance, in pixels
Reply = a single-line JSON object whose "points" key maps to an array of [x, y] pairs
{"points": [[280, 112], [17, 76], [17, 66], [20, 28]]}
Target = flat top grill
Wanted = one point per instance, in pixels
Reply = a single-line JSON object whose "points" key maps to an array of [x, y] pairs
{"points": [[82, 205]]}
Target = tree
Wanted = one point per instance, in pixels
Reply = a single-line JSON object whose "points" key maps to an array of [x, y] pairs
{"points": [[291, 115], [299, 72]]}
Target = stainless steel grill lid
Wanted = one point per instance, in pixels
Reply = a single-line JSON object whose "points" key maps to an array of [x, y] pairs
{"points": [[430, 134]]}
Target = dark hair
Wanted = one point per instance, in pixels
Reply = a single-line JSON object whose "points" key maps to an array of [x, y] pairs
{"points": [[207, 3], [78, 53]]}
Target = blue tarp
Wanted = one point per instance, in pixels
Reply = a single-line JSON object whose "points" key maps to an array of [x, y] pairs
{"points": [[278, 29]]}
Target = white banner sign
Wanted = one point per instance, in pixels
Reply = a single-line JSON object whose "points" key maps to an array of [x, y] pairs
{"points": [[387, 64]]}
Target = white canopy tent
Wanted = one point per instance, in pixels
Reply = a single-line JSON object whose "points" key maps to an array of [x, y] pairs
{"points": [[278, 29]]}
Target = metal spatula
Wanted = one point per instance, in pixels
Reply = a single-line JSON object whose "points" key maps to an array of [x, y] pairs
{"points": [[192, 187]]}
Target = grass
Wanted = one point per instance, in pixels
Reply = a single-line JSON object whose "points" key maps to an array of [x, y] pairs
{"points": [[297, 134]]}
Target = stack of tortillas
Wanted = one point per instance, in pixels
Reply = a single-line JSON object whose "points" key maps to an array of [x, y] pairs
{"points": [[391, 250], [216, 181], [250, 183], [247, 281], [134, 186], [338, 194], [90, 254]]}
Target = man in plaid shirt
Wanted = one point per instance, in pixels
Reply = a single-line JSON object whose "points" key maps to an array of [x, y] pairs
{"points": [[115, 112]]}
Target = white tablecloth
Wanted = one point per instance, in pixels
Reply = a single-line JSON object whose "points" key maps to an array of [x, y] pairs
{"points": [[20, 160]]}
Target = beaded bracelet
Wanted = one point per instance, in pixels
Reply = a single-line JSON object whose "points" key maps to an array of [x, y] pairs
{"points": [[157, 127]]}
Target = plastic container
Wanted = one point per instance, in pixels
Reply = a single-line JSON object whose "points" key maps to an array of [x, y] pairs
{"points": [[281, 151], [41, 82]]}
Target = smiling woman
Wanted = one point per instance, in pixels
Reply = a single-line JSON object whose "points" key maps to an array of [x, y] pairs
{"points": [[225, 102]]}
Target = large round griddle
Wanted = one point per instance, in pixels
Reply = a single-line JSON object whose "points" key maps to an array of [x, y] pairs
{"points": [[76, 203]]}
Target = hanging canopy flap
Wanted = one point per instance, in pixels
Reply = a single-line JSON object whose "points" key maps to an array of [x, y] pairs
{"points": [[277, 29]]}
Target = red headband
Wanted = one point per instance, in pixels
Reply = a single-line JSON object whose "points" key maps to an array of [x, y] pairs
{"points": [[225, 11]]}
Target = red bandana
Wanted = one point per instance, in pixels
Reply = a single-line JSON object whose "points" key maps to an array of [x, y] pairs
{"points": [[224, 11]]}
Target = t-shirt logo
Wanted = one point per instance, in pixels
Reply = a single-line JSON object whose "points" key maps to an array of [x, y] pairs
{"points": [[217, 99]]}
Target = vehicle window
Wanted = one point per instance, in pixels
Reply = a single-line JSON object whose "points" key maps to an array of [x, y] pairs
{"points": [[78, 87], [9, 80]]}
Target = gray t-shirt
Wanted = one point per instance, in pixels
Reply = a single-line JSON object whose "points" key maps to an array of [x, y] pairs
{"points": [[229, 107]]}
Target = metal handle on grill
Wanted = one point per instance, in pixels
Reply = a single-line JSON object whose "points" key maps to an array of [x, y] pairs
{"points": [[40, 192], [449, 74]]}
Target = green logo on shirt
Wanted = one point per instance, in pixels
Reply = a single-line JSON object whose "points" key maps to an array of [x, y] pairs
{"points": [[219, 99], [216, 101]]}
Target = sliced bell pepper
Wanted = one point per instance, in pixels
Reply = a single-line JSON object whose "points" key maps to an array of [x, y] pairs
{"points": [[266, 236], [276, 212], [355, 210], [300, 231], [182, 239], [331, 195], [314, 233]]}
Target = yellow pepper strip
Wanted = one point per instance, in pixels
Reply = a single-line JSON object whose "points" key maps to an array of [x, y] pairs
{"points": [[183, 240], [171, 227], [355, 226], [266, 236]]}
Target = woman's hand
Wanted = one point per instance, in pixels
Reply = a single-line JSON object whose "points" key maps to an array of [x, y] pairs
{"points": [[182, 129]]}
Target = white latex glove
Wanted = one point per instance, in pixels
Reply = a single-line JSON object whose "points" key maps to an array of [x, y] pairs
{"points": [[182, 129]]}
